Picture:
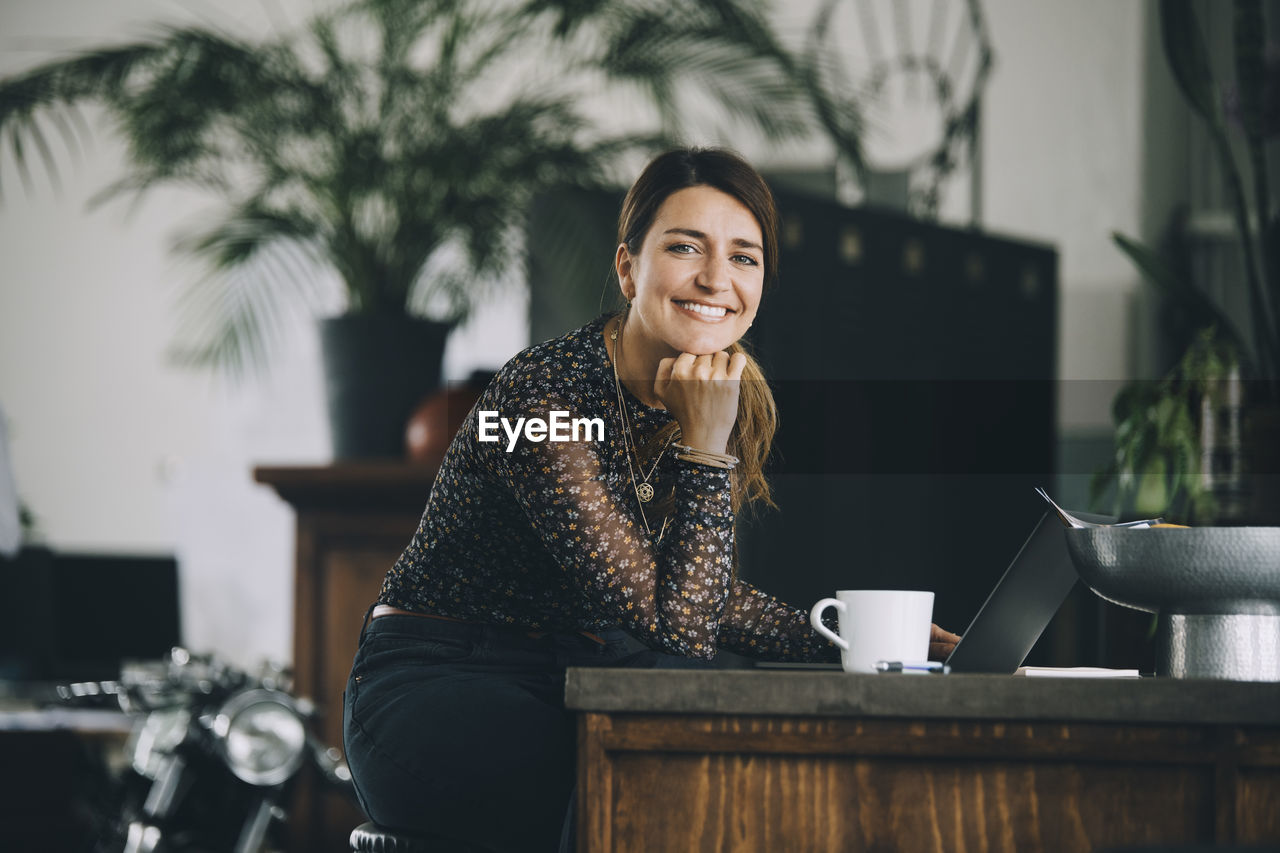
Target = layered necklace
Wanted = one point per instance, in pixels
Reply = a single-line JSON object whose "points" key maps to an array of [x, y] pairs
{"points": [[643, 489]]}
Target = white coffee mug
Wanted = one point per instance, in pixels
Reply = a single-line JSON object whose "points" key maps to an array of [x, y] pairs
{"points": [[876, 625]]}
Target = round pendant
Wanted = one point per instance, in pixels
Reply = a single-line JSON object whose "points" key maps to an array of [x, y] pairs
{"points": [[645, 492]]}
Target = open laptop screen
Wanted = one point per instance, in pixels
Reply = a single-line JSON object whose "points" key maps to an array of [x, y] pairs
{"points": [[1021, 605]]}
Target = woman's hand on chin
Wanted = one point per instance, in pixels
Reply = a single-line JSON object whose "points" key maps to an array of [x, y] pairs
{"points": [[701, 392]]}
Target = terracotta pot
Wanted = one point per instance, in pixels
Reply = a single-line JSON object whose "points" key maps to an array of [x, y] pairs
{"points": [[438, 418]]}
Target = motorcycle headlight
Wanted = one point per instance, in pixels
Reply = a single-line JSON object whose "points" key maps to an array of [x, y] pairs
{"points": [[160, 733], [263, 736]]}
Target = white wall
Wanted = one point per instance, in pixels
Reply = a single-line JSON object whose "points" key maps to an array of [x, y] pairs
{"points": [[1062, 149], [116, 450]]}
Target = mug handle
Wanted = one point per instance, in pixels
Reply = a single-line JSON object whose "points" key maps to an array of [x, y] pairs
{"points": [[815, 619]]}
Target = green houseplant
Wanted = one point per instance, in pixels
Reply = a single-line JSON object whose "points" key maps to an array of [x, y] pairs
{"points": [[381, 159], [1181, 445]]}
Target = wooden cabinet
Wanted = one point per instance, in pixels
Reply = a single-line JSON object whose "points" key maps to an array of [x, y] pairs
{"points": [[353, 521]]}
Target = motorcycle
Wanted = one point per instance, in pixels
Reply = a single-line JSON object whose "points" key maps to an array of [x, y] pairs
{"points": [[212, 756]]}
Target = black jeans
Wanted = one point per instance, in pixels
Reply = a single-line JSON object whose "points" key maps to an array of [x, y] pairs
{"points": [[459, 730]]}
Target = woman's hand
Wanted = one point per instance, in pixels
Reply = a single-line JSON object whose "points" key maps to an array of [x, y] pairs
{"points": [[941, 643], [701, 392]]}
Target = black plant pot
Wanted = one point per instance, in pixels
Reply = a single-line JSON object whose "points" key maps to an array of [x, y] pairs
{"points": [[377, 369]]}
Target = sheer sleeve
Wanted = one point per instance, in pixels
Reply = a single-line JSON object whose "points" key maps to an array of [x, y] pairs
{"points": [[678, 594], [758, 625], [670, 595]]}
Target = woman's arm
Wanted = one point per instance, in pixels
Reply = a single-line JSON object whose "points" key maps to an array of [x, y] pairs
{"points": [[760, 626]]}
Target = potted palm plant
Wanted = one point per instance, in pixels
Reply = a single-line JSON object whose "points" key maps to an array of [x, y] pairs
{"points": [[381, 160], [1203, 444]]}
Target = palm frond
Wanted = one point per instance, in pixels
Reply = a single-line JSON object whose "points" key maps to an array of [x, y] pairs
{"points": [[837, 111], [371, 143], [258, 263], [53, 88], [724, 51], [569, 15]]}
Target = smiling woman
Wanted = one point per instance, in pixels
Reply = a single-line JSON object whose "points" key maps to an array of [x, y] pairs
{"points": [[541, 555], [698, 244]]}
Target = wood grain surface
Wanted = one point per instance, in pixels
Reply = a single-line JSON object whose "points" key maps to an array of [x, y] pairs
{"points": [[742, 783]]}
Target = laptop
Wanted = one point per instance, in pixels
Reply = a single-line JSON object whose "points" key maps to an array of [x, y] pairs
{"points": [[1022, 603], [1019, 608]]}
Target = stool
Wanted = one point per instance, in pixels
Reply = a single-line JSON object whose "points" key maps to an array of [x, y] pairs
{"points": [[371, 838]]}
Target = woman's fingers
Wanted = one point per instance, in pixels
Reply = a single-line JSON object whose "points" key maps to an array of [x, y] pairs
{"points": [[685, 367], [704, 368], [941, 642], [663, 379], [685, 362], [941, 651], [718, 365], [942, 635], [701, 391]]}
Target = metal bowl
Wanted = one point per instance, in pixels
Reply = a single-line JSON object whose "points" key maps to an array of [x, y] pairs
{"points": [[1217, 590], [1183, 570]]}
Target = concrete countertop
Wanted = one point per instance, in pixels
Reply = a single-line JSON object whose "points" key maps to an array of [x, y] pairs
{"points": [[835, 693]]}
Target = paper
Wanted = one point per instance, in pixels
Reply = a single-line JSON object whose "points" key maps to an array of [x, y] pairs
{"points": [[1075, 673], [1071, 520]]}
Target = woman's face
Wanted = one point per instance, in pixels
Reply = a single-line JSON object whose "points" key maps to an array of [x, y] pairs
{"points": [[696, 281]]}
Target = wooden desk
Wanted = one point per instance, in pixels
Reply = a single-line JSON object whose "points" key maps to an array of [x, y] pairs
{"points": [[782, 760], [353, 521]]}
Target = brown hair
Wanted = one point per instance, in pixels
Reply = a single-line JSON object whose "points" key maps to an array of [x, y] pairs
{"points": [[679, 169], [682, 168]]}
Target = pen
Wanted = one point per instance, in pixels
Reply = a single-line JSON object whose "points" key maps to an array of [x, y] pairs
{"points": [[899, 666]]}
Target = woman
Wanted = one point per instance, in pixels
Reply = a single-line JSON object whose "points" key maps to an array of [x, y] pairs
{"points": [[536, 554]]}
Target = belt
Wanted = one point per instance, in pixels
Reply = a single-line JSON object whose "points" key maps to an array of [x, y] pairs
{"points": [[388, 610]]}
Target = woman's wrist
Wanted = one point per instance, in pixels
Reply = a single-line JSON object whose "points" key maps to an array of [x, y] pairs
{"points": [[711, 441], [696, 455]]}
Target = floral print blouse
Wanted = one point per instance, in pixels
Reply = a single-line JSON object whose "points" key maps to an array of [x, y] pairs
{"points": [[548, 535]]}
